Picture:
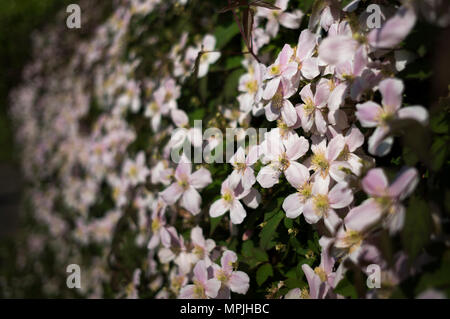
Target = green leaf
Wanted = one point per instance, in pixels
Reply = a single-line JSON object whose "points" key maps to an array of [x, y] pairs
{"points": [[225, 34], [417, 228], [269, 231], [263, 272], [214, 222]]}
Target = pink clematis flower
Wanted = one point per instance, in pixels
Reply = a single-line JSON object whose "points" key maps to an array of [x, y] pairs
{"points": [[159, 232], [326, 159], [322, 279], [279, 104], [311, 111], [184, 134], [308, 66], [251, 86], [203, 288], [282, 68], [388, 198], [282, 156], [371, 114], [236, 281], [277, 17], [202, 247], [209, 57], [294, 203], [136, 171], [186, 186], [231, 193], [351, 236], [243, 171], [323, 201]]}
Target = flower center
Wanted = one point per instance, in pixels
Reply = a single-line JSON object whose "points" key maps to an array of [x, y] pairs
{"points": [[240, 167], [221, 276], [353, 239], [228, 197], [284, 162], [155, 225], [199, 251], [321, 204], [183, 183], [305, 191], [309, 106], [304, 294], [321, 273], [133, 171], [274, 70], [252, 86], [199, 291], [320, 163]]}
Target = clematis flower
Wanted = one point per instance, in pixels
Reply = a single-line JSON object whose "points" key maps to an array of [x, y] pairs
{"points": [[325, 161], [311, 111], [371, 114], [321, 280], [351, 236], [323, 201], [236, 281], [251, 85], [186, 186], [243, 171], [282, 68], [161, 173], [388, 198], [207, 58], [202, 247], [159, 232], [279, 104], [231, 193], [354, 139], [283, 156], [203, 288], [294, 203], [308, 66], [136, 171], [155, 110], [277, 17]]}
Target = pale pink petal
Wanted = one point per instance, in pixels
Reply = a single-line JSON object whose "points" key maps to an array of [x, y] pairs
{"points": [[191, 200], [293, 206], [296, 174], [417, 113], [200, 179], [296, 147], [268, 176], [310, 68], [288, 113], [337, 49], [212, 288], [200, 272], [379, 142], [249, 178], [171, 194], [354, 139], [335, 147], [187, 292], [394, 30], [237, 212], [183, 170], [306, 93], [375, 182], [340, 196], [391, 91], [197, 236], [290, 20], [321, 124], [218, 208], [363, 216], [179, 117], [404, 184], [309, 213], [368, 113], [239, 282], [306, 44]]}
